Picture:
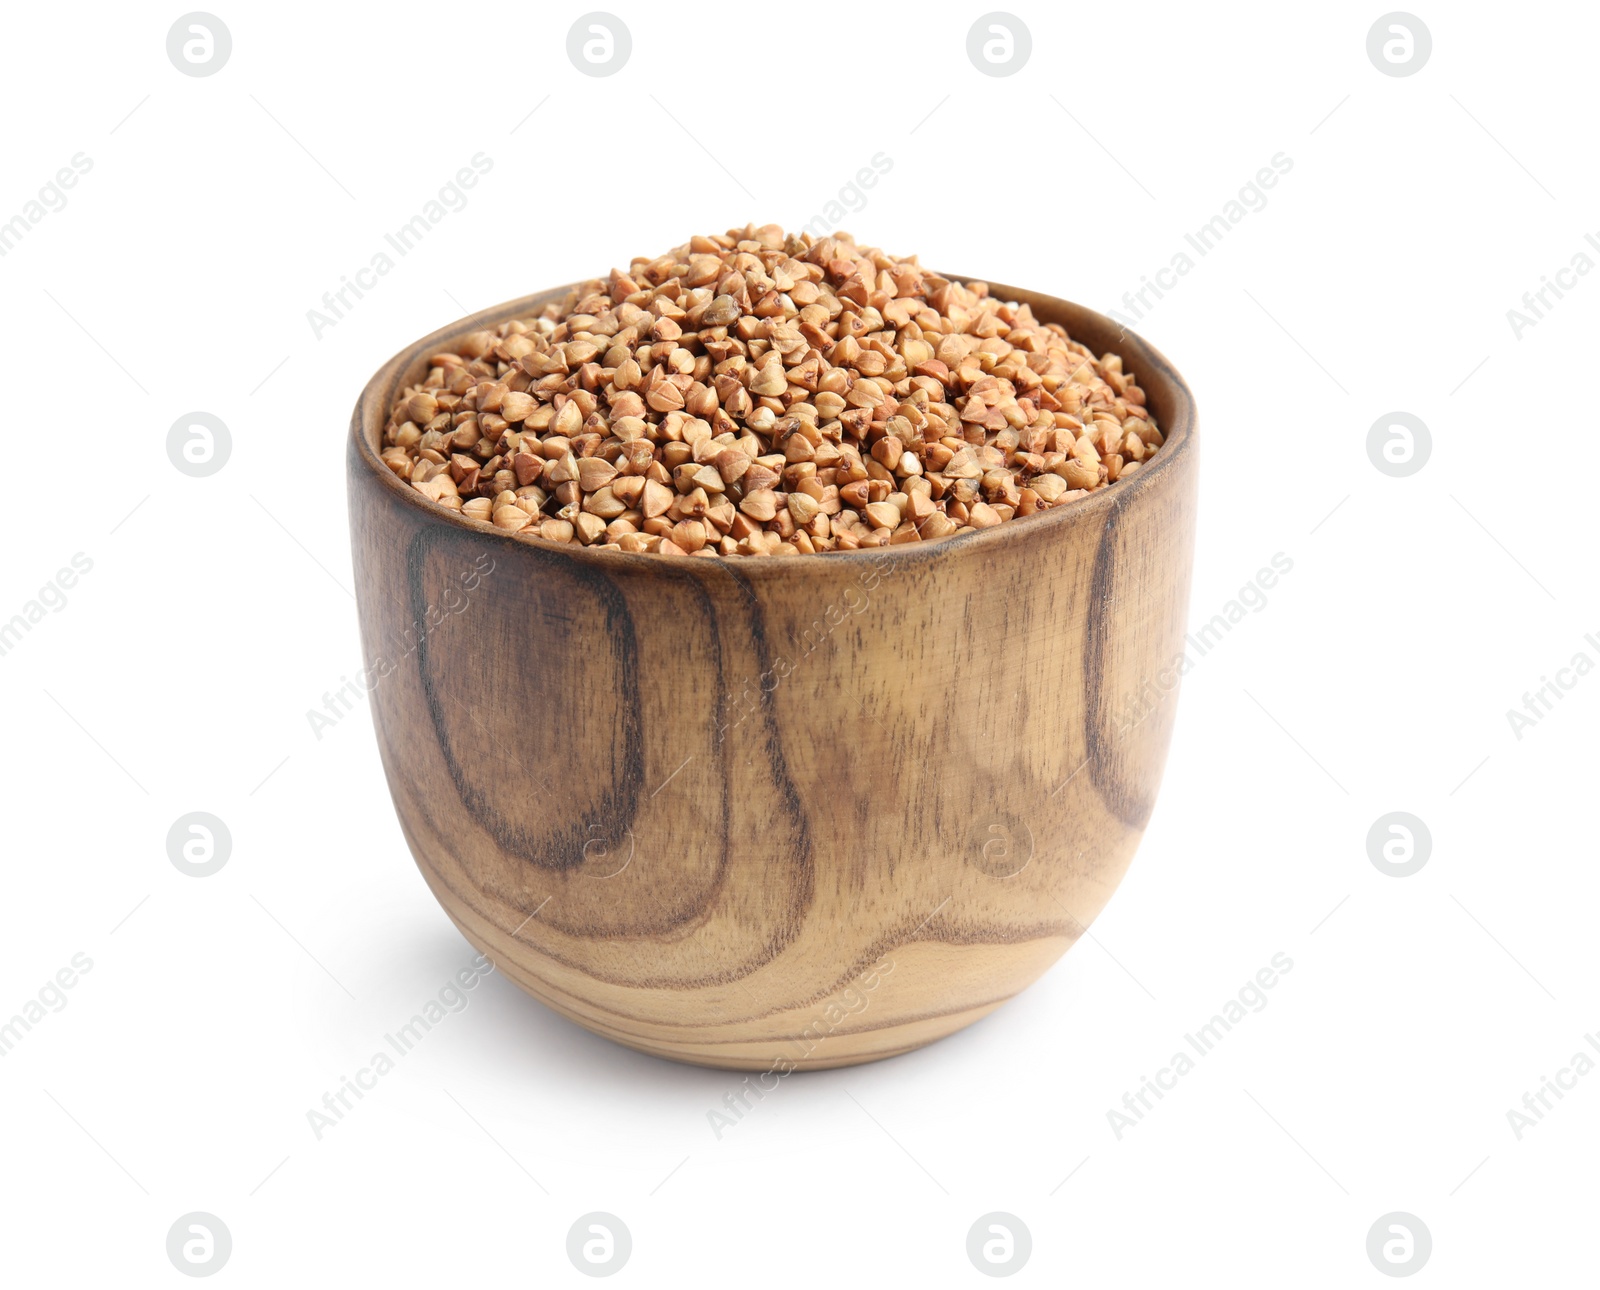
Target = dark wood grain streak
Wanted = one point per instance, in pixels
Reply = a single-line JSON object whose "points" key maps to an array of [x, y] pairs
{"points": [[731, 788], [562, 847]]}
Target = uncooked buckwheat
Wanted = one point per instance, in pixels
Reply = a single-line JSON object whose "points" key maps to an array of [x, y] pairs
{"points": [[763, 394]]}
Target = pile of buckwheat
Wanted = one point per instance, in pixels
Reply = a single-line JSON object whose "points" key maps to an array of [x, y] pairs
{"points": [[763, 394]]}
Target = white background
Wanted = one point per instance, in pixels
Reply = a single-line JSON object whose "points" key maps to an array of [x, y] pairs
{"points": [[178, 674]]}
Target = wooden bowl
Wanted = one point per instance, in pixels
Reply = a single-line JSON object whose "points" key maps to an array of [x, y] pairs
{"points": [[777, 813]]}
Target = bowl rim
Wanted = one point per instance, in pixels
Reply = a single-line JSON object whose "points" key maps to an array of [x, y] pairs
{"points": [[1138, 355]]}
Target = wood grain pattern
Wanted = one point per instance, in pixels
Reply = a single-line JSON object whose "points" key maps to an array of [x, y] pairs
{"points": [[779, 813]]}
